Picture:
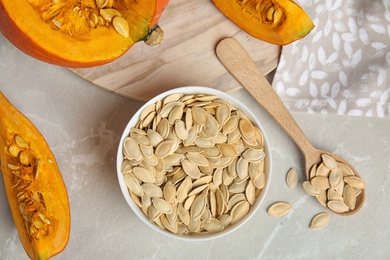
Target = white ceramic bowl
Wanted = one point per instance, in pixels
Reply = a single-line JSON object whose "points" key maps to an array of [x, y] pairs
{"points": [[195, 90]]}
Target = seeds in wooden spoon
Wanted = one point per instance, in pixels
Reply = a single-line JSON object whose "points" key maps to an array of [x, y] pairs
{"points": [[329, 161], [332, 178]]}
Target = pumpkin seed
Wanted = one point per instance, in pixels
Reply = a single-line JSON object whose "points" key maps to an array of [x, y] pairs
{"points": [[239, 211], [14, 150], [191, 169], [250, 192], [183, 214], [184, 188], [143, 174], [279, 209], [212, 225], [109, 14], [25, 158], [313, 171], [230, 125], [194, 225], [309, 188], [171, 227], [201, 181], [141, 139], [224, 219], [337, 206], [163, 149], [197, 159], [210, 127], [248, 132], [133, 185], [169, 192], [152, 190], [349, 196], [320, 182], [20, 141], [319, 221], [176, 114], [197, 207], [292, 178], [345, 169], [242, 168], [198, 189], [355, 182], [131, 149], [322, 170], [322, 198], [329, 161], [227, 150], [334, 195], [162, 205], [153, 213], [259, 181], [253, 155], [235, 199], [335, 178], [188, 201], [101, 3], [199, 115]]}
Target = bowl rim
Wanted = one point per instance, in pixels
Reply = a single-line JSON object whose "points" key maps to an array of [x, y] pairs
{"points": [[236, 103]]}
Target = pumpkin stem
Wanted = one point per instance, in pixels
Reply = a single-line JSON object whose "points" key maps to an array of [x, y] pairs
{"points": [[155, 36]]}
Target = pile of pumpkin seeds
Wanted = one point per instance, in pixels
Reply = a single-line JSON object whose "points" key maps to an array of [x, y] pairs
{"points": [[332, 183], [194, 164]]}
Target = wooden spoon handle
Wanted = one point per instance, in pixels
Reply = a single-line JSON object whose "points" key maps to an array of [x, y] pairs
{"points": [[236, 60]]}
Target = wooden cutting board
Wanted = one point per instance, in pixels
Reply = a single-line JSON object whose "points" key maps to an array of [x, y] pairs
{"points": [[185, 57]]}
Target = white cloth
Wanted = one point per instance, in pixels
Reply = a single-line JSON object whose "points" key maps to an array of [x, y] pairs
{"points": [[343, 65]]}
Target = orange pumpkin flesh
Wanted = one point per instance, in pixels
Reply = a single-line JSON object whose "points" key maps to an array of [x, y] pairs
{"points": [[34, 186], [275, 21], [31, 26]]}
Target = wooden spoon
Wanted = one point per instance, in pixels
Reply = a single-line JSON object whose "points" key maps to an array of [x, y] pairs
{"points": [[238, 62]]}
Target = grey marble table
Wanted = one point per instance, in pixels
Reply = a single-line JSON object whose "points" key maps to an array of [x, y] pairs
{"points": [[83, 124]]}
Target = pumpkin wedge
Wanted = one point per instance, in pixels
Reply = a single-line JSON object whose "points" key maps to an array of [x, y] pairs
{"points": [[275, 21], [74, 33], [34, 186]]}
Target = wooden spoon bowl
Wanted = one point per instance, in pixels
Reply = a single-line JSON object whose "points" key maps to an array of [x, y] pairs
{"points": [[238, 62]]}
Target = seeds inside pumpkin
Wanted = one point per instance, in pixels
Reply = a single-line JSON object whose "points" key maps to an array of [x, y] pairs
{"points": [[82, 17], [25, 170]]}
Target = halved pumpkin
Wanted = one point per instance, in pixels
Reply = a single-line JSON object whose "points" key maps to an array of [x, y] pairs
{"points": [[33, 184], [275, 21], [76, 33]]}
